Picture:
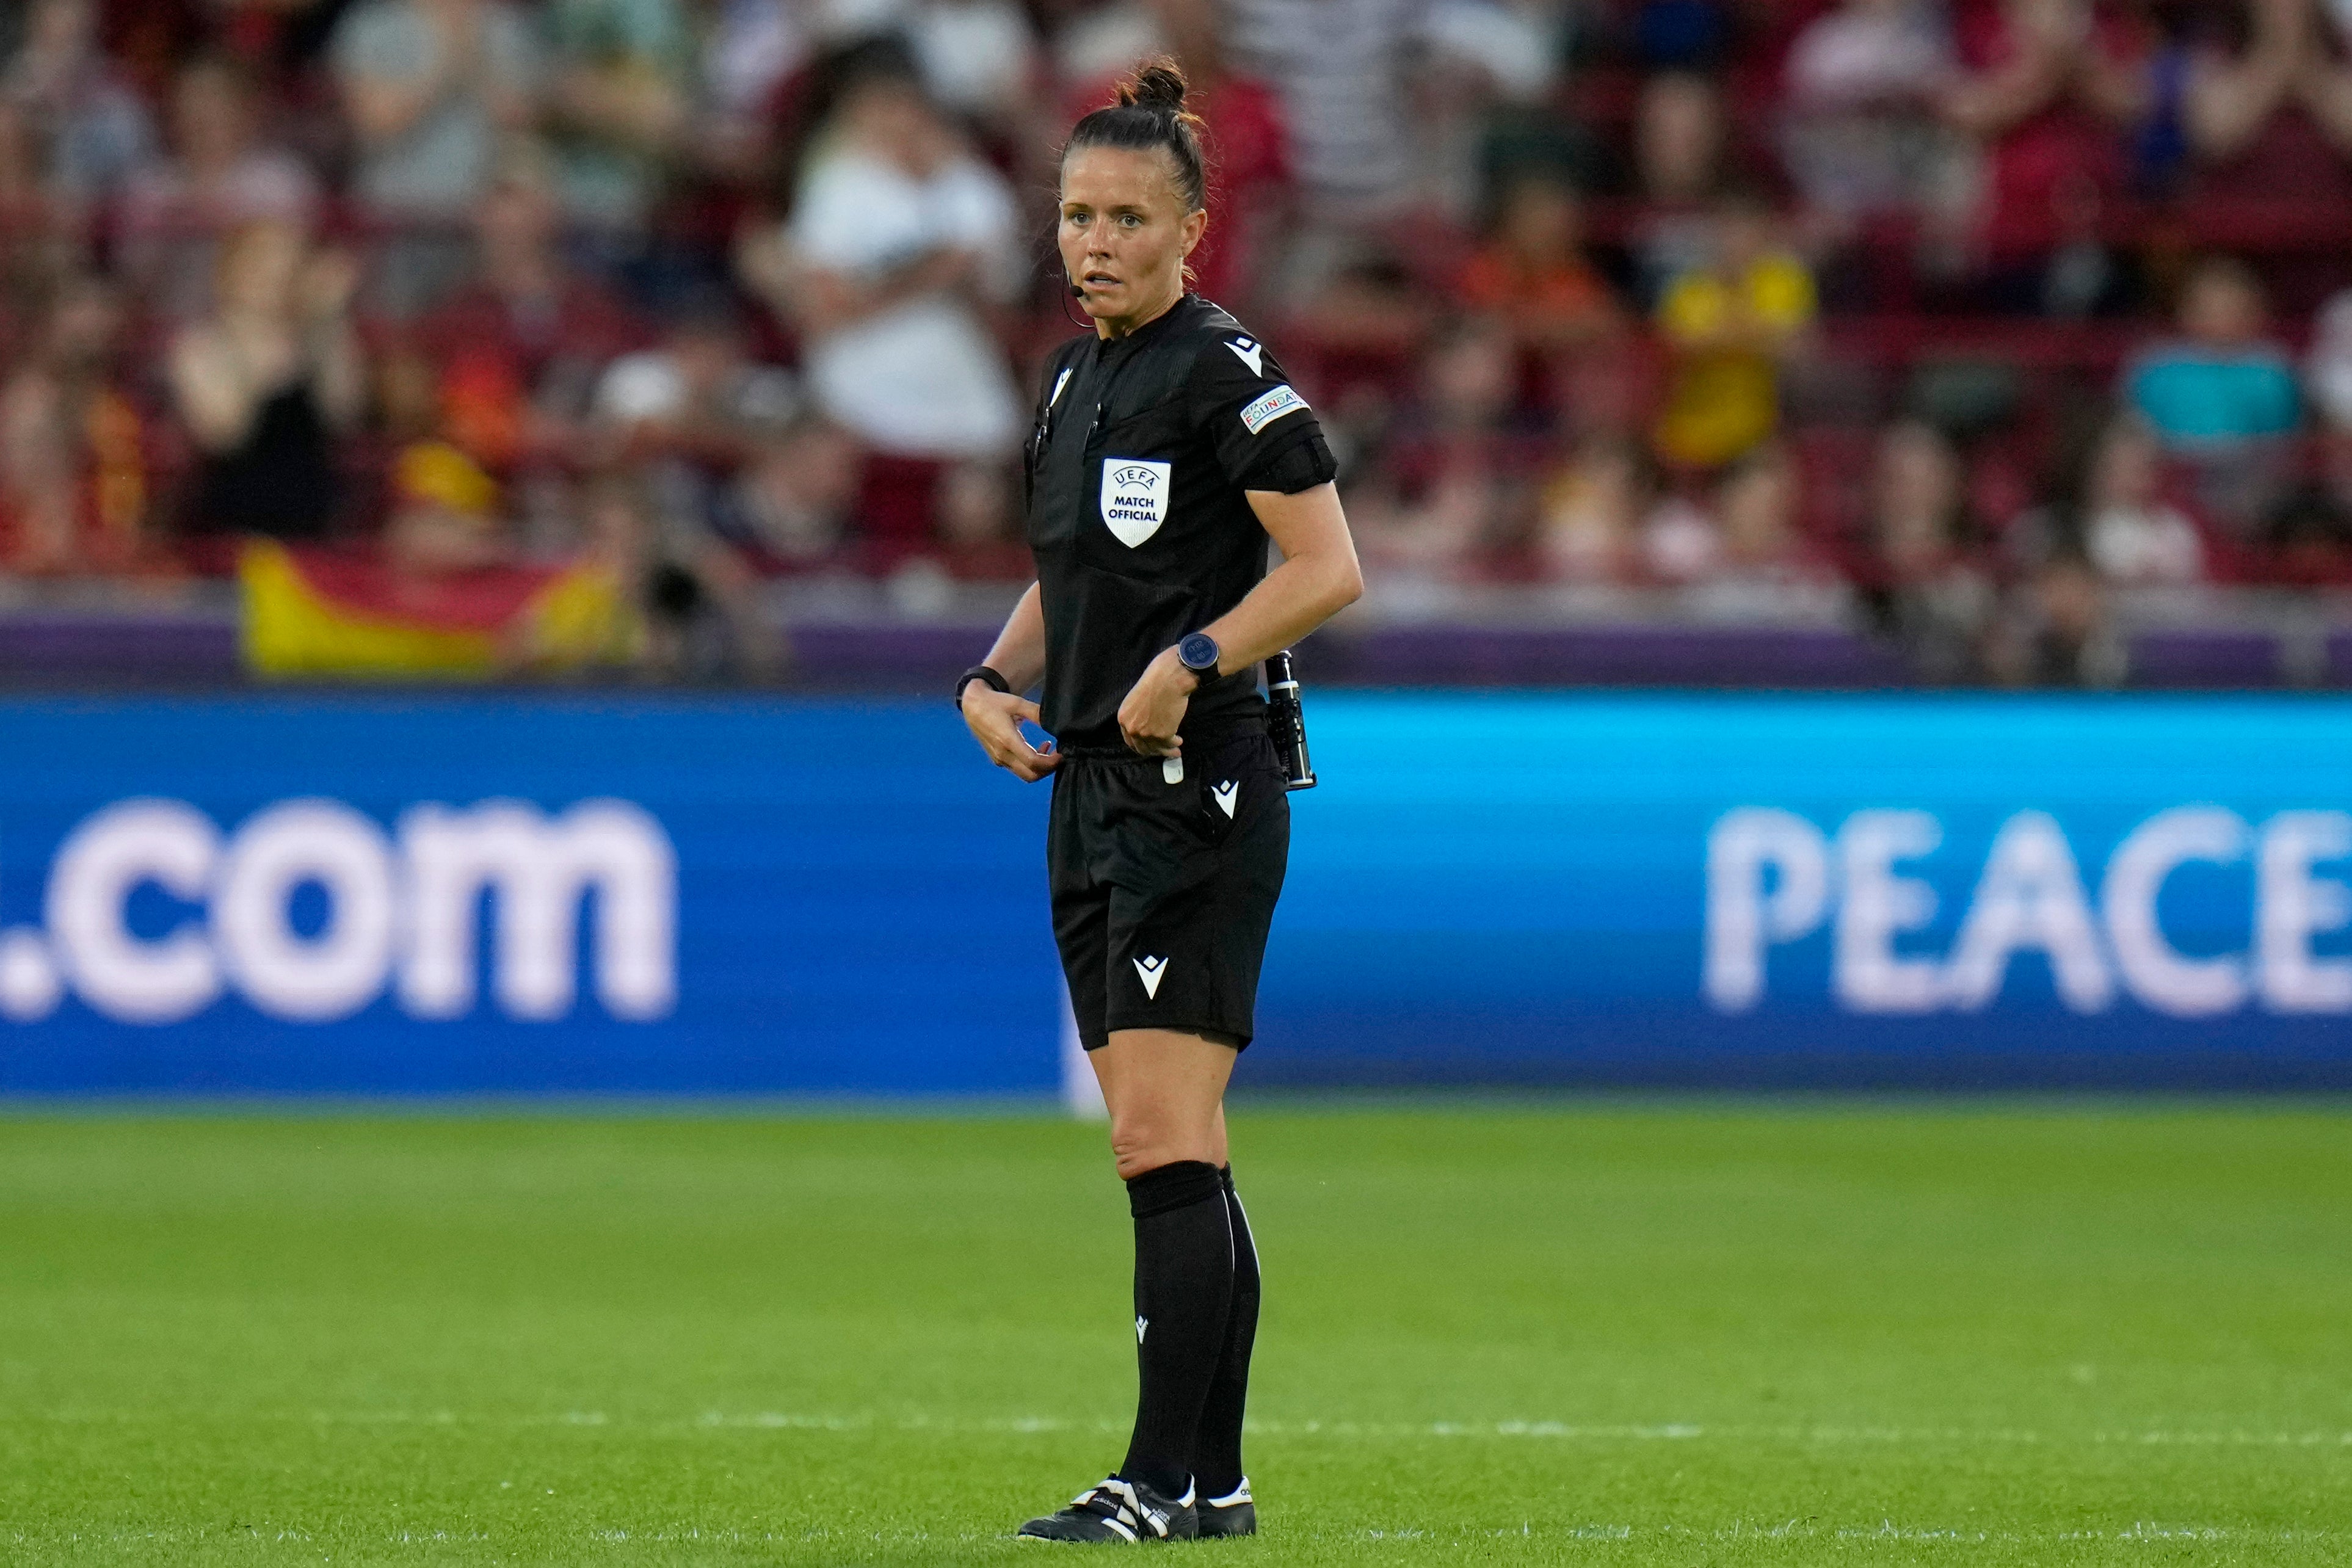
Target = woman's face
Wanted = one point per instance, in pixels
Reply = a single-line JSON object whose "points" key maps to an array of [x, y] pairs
{"points": [[60, 27], [2222, 307], [892, 119], [83, 325], [1125, 232], [2125, 473], [1917, 484], [1677, 138], [1471, 380], [208, 116], [1756, 505], [1540, 222], [258, 272]]}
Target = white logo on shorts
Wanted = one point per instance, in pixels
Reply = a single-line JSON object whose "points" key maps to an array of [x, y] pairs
{"points": [[1135, 497], [1149, 971], [1227, 794]]}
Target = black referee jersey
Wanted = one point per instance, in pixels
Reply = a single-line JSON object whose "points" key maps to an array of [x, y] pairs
{"points": [[1143, 449]]}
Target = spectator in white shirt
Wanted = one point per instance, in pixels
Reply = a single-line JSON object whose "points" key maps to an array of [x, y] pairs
{"points": [[900, 242], [2132, 535], [2113, 517]]}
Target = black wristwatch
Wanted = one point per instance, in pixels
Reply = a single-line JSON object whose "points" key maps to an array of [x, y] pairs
{"points": [[979, 672], [1198, 653]]}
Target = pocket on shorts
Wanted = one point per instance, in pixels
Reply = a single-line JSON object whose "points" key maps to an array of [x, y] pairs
{"points": [[1232, 780]]}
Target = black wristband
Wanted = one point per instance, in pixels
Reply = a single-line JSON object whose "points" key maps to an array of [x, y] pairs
{"points": [[979, 672]]}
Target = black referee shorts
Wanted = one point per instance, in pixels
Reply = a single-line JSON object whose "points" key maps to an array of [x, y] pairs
{"points": [[1163, 888]]}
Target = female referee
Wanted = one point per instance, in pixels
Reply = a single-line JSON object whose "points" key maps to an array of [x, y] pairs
{"points": [[1168, 449]]}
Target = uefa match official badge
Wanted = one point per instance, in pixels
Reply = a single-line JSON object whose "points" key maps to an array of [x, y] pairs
{"points": [[1135, 497]]}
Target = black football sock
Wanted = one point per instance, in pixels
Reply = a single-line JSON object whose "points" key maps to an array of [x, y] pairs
{"points": [[1183, 1285], [1217, 1455]]}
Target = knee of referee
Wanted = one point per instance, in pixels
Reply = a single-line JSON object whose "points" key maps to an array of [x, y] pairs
{"points": [[1146, 1137]]}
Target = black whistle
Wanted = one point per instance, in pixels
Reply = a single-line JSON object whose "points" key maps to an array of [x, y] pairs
{"points": [[1285, 722]]}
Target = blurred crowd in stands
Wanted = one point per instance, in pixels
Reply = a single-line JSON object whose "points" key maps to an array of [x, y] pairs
{"points": [[1964, 317]]}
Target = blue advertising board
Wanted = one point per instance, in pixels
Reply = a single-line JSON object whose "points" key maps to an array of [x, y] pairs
{"points": [[648, 895], [500, 894], [1936, 889]]}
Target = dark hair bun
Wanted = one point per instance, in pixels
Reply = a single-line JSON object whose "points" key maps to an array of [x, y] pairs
{"points": [[1149, 114], [1159, 84]]}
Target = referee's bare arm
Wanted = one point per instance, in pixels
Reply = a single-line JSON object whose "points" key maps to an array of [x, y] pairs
{"points": [[994, 717], [1318, 577]]}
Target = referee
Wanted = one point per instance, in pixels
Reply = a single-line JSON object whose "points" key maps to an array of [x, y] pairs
{"points": [[1168, 449]]}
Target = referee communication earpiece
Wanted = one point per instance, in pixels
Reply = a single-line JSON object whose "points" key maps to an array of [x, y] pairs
{"points": [[1075, 293]]}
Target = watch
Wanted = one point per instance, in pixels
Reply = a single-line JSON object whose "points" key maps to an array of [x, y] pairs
{"points": [[1198, 653], [979, 672]]}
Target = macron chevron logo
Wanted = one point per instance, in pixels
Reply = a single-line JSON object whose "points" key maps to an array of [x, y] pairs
{"points": [[1226, 794], [1149, 971], [1252, 355]]}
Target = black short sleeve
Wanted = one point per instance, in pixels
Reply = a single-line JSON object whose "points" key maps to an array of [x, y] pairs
{"points": [[1301, 466], [1239, 398]]}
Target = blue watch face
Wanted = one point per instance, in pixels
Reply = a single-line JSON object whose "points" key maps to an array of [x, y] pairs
{"points": [[1199, 651]]}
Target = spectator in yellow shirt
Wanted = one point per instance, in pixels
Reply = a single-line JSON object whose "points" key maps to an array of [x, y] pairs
{"points": [[1731, 324]]}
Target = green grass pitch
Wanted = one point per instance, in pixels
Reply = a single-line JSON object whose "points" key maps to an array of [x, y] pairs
{"points": [[1573, 1332]]}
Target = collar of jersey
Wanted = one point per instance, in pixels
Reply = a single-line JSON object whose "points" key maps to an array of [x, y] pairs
{"points": [[1152, 329]]}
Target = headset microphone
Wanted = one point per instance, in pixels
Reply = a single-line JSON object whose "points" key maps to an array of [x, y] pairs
{"points": [[1076, 292]]}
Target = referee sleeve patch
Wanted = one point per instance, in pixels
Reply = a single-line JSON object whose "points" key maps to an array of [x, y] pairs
{"points": [[1282, 400]]}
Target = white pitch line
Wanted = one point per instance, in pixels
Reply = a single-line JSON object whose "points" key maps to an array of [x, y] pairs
{"points": [[1557, 1431], [2144, 1532], [1668, 1432]]}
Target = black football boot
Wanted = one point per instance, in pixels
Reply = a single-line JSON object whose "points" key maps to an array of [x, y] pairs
{"points": [[1231, 1514], [1118, 1512]]}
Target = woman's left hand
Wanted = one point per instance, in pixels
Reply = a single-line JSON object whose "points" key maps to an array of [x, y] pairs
{"points": [[1155, 706]]}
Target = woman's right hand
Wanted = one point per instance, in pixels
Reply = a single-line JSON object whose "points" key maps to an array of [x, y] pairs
{"points": [[994, 718]]}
